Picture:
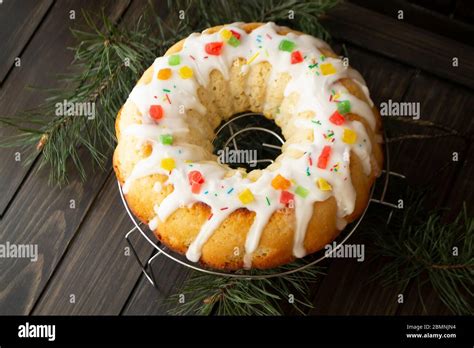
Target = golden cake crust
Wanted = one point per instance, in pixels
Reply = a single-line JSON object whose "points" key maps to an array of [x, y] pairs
{"points": [[225, 249]]}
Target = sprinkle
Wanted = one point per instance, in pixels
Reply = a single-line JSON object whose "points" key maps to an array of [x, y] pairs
{"points": [[225, 208], [246, 196], [337, 118], [166, 90], [268, 35], [280, 183], [168, 163], [253, 57], [286, 197], [302, 192], [164, 74], [349, 136], [307, 171], [344, 107], [234, 42], [168, 98], [328, 69], [156, 112], [335, 168], [229, 192], [174, 60], [214, 48], [268, 201], [195, 177], [210, 216], [286, 45], [235, 34], [329, 135], [226, 34], [186, 72], [206, 192], [323, 185], [259, 38], [324, 157], [322, 57], [312, 66], [296, 57], [318, 122], [166, 139], [310, 160]]}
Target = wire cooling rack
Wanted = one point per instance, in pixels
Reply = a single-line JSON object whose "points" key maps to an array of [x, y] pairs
{"points": [[225, 135]]}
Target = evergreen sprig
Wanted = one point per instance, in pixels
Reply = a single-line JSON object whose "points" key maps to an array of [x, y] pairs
{"points": [[424, 249], [207, 294]]}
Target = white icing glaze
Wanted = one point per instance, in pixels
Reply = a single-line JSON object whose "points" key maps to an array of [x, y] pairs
{"points": [[220, 193]]}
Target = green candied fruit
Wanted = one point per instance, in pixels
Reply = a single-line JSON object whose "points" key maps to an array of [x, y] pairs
{"points": [[301, 191], [174, 59], [166, 139], [233, 41], [344, 107], [287, 45]]}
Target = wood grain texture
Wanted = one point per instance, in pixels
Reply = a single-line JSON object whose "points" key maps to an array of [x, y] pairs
{"points": [[18, 23], [46, 56], [98, 268], [403, 42]]}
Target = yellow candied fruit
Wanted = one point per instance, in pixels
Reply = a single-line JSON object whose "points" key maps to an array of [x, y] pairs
{"points": [[280, 183], [164, 74], [226, 34], [323, 185], [328, 69], [186, 72], [168, 163], [349, 136], [246, 196]]}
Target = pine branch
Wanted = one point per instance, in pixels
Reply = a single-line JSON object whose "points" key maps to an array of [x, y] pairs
{"points": [[205, 294], [424, 249]]}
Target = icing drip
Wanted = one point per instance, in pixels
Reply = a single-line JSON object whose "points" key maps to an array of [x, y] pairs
{"points": [[314, 79]]}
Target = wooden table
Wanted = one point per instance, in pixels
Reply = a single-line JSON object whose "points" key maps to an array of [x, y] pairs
{"points": [[82, 245]]}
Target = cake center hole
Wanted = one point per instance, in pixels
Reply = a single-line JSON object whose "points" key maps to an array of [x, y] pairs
{"points": [[248, 140]]}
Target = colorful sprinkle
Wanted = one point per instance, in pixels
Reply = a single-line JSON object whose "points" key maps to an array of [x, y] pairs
{"points": [[301, 191], [286, 197], [214, 48], [234, 42], [225, 208], [318, 122], [251, 59], [166, 139], [328, 69], [166, 90], [230, 191], [268, 201], [186, 72], [246, 196], [175, 59], [280, 183], [296, 57], [210, 216], [329, 135], [349, 136], [235, 34], [226, 34], [286, 45], [344, 107], [168, 98], [307, 171], [164, 74], [156, 112], [337, 118], [324, 157], [323, 185], [168, 163]]}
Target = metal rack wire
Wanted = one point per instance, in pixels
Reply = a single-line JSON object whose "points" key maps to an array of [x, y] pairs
{"points": [[161, 250]]}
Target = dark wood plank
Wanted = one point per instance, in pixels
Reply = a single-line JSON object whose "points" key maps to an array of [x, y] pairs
{"points": [[346, 289], [146, 300], [98, 268], [401, 41], [18, 23], [43, 216], [45, 57]]}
